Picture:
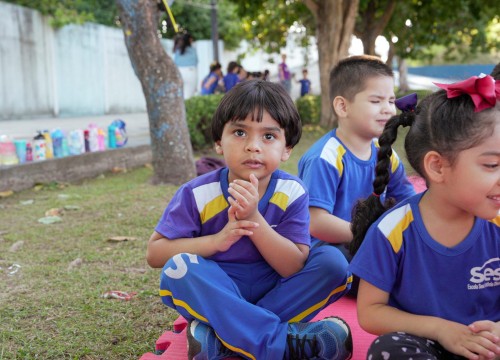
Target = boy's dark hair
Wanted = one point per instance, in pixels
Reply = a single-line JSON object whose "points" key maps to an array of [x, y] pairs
{"points": [[447, 126], [182, 41], [495, 73], [253, 97], [231, 66], [215, 66], [349, 76]]}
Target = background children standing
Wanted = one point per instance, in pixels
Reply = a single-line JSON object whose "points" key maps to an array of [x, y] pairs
{"points": [[284, 75], [211, 81], [186, 59], [339, 168], [231, 78], [430, 267], [305, 84], [234, 243]]}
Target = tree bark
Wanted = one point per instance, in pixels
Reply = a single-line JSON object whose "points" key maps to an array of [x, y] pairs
{"points": [[372, 25], [335, 21], [403, 75], [391, 54], [161, 82]]}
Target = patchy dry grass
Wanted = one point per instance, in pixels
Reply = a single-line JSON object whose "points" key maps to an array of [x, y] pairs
{"points": [[51, 309]]}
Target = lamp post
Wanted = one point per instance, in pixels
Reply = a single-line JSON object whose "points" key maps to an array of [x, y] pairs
{"points": [[215, 33]]}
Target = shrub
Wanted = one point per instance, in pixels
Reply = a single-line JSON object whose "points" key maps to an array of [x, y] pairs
{"points": [[309, 108], [199, 112]]}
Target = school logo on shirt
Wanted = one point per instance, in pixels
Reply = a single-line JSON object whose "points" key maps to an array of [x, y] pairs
{"points": [[487, 275]]}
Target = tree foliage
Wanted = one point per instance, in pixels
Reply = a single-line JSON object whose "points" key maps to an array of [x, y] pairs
{"points": [[195, 17], [330, 21], [74, 11], [461, 26], [267, 23], [373, 17]]}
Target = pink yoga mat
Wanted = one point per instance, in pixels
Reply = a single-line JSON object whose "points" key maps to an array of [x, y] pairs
{"points": [[175, 346]]}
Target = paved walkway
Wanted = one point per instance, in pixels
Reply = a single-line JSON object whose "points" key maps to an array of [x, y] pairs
{"points": [[137, 126], [138, 123]]}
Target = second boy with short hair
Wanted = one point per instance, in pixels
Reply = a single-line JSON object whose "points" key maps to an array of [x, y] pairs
{"points": [[234, 243], [339, 168]]}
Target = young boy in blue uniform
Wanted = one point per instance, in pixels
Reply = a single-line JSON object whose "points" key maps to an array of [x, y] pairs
{"points": [[234, 243], [305, 84], [339, 168]]}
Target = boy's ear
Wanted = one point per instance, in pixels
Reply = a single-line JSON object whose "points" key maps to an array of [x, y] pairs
{"points": [[340, 106], [435, 166], [286, 154], [218, 148]]}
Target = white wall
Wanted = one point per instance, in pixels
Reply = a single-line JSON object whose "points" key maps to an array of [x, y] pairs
{"points": [[26, 71], [83, 70]]}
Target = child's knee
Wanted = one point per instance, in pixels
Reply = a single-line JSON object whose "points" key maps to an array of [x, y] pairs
{"points": [[177, 266], [399, 345], [331, 262]]}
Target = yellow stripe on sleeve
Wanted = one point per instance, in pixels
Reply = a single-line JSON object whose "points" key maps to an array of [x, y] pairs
{"points": [[396, 235], [394, 224], [394, 161], [333, 153], [280, 199], [213, 208]]}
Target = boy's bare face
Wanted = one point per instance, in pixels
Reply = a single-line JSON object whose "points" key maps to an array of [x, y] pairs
{"points": [[253, 147], [366, 115]]}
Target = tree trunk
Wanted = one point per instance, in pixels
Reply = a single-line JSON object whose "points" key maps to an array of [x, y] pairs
{"points": [[173, 160], [368, 41], [403, 76], [391, 54], [335, 24], [373, 22]]}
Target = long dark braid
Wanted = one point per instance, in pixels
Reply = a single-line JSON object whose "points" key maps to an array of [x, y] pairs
{"points": [[365, 212]]}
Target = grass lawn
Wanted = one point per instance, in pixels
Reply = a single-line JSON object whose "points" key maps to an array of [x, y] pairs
{"points": [[51, 307]]}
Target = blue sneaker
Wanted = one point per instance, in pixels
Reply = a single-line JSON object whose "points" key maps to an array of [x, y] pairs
{"points": [[203, 344], [328, 339]]}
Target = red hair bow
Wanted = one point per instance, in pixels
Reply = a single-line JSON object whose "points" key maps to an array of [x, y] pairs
{"points": [[484, 91]]}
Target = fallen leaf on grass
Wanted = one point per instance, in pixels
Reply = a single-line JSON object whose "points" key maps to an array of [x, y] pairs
{"points": [[49, 220], [71, 207], [120, 295], [121, 238], [5, 194], [118, 170], [52, 185], [27, 202], [53, 212], [75, 263], [16, 246]]}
